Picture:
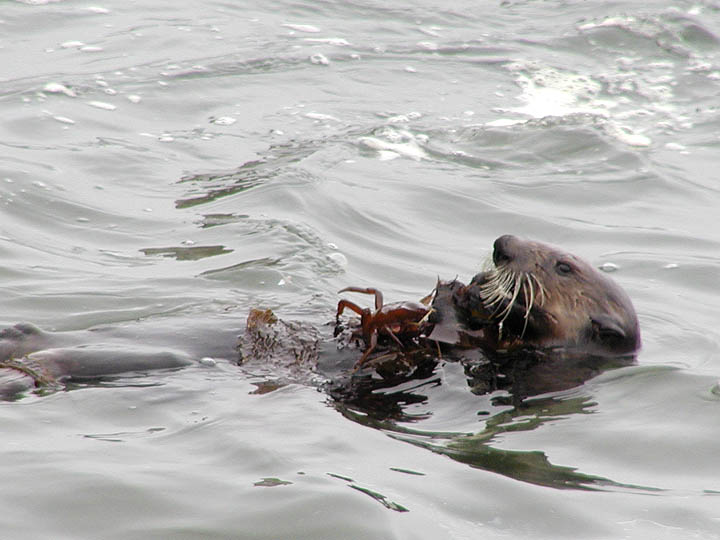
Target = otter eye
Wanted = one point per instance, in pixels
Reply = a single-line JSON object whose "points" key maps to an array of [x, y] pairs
{"points": [[563, 268]]}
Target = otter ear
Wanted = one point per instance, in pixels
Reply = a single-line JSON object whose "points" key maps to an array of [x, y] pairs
{"points": [[607, 327]]}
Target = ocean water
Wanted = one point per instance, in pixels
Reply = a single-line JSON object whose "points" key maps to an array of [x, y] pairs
{"points": [[168, 166]]}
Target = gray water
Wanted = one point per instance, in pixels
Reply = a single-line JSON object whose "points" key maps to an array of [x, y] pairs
{"points": [[169, 164]]}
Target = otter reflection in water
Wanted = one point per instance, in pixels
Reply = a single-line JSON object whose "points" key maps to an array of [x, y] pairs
{"points": [[538, 320]]}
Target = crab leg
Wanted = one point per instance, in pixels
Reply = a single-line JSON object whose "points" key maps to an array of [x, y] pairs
{"points": [[371, 347], [342, 304], [369, 290]]}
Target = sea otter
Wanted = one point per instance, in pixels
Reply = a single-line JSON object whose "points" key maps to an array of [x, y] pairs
{"points": [[537, 296], [536, 320], [533, 298]]}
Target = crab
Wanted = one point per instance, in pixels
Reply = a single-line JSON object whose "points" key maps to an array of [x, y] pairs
{"points": [[397, 320]]}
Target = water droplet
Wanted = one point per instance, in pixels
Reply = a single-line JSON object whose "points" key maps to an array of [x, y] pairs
{"points": [[224, 121], [339, 259], [319, 59]]}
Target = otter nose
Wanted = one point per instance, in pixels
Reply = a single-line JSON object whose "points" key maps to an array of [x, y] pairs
{"points": [[504, 249]]}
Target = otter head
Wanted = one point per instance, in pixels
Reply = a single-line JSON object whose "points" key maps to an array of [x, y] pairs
{"points": [[541, 296]]}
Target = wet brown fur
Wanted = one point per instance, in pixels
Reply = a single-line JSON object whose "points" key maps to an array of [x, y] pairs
{"points": [[537, 295]]}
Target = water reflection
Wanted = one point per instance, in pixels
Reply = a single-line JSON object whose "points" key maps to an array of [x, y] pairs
{"points": [[208, 187], [520, 394], [193, 253]]}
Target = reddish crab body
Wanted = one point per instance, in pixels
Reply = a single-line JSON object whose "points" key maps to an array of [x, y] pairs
{"points": [[399, 320]]}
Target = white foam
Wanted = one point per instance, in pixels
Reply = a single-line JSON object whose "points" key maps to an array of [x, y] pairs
{"points": [[627, 135], [503, 122], [390, 150], [321, 117], [57, 88], [387, 155], [610, 21], [549, 92]]}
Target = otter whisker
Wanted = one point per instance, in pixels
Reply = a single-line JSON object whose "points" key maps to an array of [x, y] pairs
{"points": [[516, 286], [496, 288], [501, 291], [529, 300], [505, 291], [541, 289], [503, 288]]}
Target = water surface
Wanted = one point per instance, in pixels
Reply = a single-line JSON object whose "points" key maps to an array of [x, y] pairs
{"points": [[166, 165]]}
